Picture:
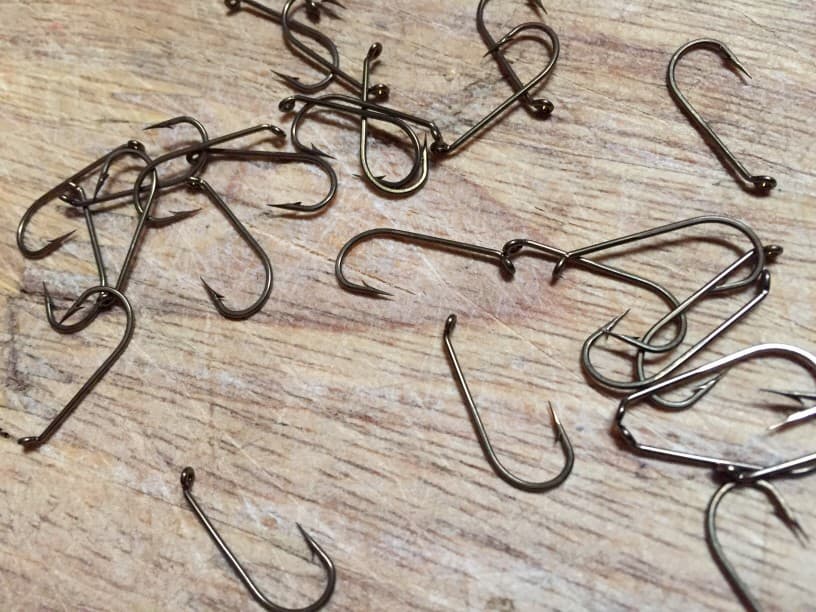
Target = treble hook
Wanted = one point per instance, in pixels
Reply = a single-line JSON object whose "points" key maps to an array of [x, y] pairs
{"points": [[216, 298], [294, 82], [541, 108], [32, 442], [378, 92], [716, 368], [513, 480], [187, 481], [393, 188], [728, 570], [764, 286], [761, 183], [442, 148], [474, 250]]}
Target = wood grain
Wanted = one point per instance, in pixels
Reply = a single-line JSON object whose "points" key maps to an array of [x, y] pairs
{"points": [[339, 412]]}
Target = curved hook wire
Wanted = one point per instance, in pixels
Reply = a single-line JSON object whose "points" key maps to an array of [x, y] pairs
{"points": [[379, 91], [513, 480], [174, 217], [540, 108], [216, 298], [187, 481], [756, 244], [57, 192], [515, 247], [398, 188], [716, 368], [102, 299], [801, 466], [772, 251], [196, 167], [283, 157], [324, 41], [32, 442], [442, 148], [782, 510], [443, 243], [367, 110], [764, 287], [761, 183]]}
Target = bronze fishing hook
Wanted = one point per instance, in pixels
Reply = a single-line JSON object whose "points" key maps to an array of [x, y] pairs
{"points": [[761, 183]]}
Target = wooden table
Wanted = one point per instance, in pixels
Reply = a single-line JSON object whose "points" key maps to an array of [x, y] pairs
{"points": [[340, 412]]}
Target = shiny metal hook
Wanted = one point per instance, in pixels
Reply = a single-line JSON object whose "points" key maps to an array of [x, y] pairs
{"points": [[187, 481], [783, 511], [217, 299], [761, 183], [540, 108], [324, 41], [283, 157], [513, 480], [756, 245], [716, 369], [473, 250], [32, 442], [378, 92], [801, 466], [441, 148], [764, 286], [808, 412], [391, 188]]}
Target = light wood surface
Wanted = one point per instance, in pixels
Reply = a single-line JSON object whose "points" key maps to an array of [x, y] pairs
{"points": [[339, 412]]}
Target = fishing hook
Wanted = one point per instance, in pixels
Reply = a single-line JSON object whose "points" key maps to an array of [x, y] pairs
{"points": [[441, 148], [541, 108], [196, 167], [393, 188], [187, 481], [761, 183], [514, 247], [476, 251], [764, 287], [716, 368], [217, 299], [282, 157], [783, 511], [513, 480], [59, 190], [325, 41], [32, 442], [756, 244], [378, 92]]}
